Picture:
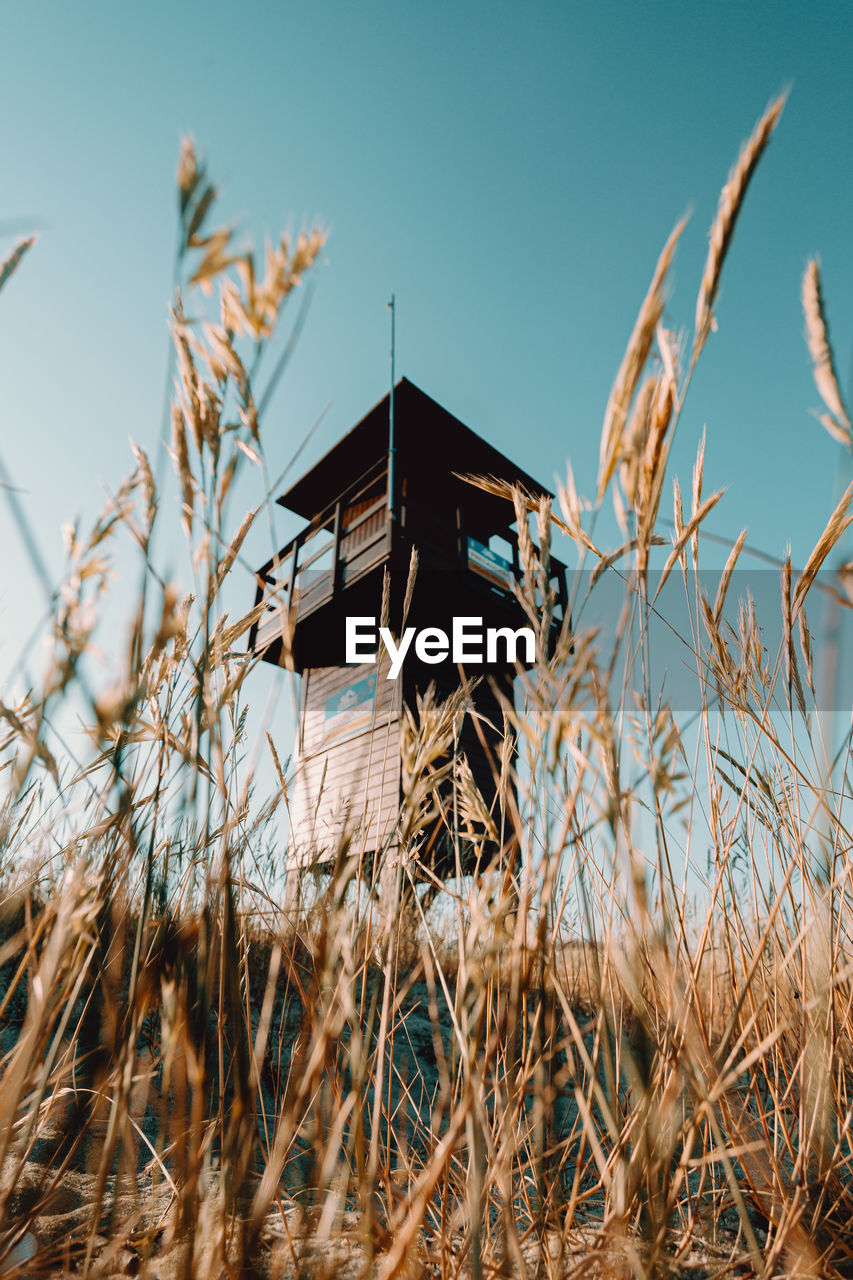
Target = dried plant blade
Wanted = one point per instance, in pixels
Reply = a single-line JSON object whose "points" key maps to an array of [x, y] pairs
{"points": [[726, 577], [502, 489], [633, 363], [792, 671], [234, 549], [838, 522], [11, 264], [723, 227], [612, 557], [410, 584], [820, 350], [685, 536], [188, 175], [836, 429]]}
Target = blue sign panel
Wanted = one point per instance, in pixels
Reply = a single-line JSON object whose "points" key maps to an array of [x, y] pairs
{"points": [[350, 711], [490, 565]]}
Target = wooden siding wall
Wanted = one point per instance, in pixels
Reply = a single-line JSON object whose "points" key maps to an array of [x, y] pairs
{"points": [[367, 530], [362, 773]]}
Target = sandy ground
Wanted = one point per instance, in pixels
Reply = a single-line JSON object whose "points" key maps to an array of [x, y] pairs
{"points": [[52, 1227], [135, 1236]]}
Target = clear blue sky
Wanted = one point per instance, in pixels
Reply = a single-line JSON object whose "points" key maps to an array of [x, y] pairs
{"points": [[510, 170]]}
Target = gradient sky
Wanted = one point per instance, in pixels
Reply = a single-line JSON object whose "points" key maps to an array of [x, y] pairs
{"points": [[509, 170]]}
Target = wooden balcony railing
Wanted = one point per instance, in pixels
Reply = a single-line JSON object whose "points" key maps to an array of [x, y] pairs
{"points": [[346, 540], [351, 537]]}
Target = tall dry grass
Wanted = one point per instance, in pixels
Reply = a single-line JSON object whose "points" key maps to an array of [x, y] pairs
{"points": [[626, 1052]]}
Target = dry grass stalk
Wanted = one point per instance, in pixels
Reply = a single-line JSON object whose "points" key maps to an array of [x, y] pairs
{"points": [[837, 421], [411, 578], [838, 522], [182, 467], [633, 362], [723, 227], [792, 671], [683, 537], [652, 466], [226, 563], [10, 265], [635, 437], [569, 1063], [726, 577], [501, 489]]}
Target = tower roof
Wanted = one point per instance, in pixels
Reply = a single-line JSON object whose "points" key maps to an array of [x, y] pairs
{"points": [[426, 436]]}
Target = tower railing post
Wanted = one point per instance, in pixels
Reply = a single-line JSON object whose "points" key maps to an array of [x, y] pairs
{"points": [[336, 550], [392, 443], [294, 560]]}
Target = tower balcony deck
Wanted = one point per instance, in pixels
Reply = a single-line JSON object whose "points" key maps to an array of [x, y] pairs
{"points": [[354, 537], [349, 539]]}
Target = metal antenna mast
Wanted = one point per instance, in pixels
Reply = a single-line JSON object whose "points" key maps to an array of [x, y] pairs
{"points": [[391, 443]]}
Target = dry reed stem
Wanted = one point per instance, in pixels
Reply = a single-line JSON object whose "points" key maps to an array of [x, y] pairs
{"points": [[838, 522], [723, 227], [502, 489], [635, 436], [652, 465], [792, 671], [10, 265], [583, 1067], [688, 531], [837, 421], [726, 577], [226, 563], [182, 467], [633, 363]]}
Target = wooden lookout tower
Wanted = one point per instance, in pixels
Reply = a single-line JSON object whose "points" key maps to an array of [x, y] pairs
{"points": [[389, 485]]}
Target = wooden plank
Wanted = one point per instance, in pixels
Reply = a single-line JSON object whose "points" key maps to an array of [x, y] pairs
{"points": [[362, 773], [326, 682]]}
